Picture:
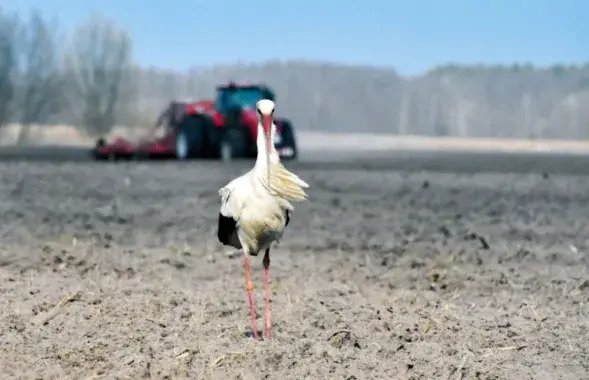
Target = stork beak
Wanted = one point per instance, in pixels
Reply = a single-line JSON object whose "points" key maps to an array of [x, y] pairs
{"points": [[267, 124]]}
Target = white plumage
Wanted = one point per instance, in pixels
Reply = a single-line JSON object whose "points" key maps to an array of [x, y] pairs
{"points": [[256, 207]]}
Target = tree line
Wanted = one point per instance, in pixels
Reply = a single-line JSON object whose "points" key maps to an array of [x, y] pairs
{"points": [[46, 77], [89, 79]]}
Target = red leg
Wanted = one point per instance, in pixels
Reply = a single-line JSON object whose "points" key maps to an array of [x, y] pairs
{"points": [[267, 316], [249, 287]]}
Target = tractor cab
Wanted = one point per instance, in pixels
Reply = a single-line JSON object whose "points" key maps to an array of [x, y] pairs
{"points": [[233, 97]]}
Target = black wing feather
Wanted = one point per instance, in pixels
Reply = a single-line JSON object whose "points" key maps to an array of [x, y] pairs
{"points": [[226, 228], [287, 218]]}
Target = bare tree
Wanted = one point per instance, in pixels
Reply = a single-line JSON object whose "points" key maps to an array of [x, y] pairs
{"points": [[40, 82], [97, 61], [8, 25]]}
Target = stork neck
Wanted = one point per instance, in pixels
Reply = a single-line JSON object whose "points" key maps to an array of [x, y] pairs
{"points": [[261, 144]]}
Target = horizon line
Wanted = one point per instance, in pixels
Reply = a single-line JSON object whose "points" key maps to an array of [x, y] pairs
{"points": [[357, 65]]}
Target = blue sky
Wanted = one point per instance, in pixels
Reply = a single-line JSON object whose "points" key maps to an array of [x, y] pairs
{"points": [[411, 36]]}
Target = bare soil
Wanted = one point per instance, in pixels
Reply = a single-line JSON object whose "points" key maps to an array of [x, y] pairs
{"points": [[113, 271]]}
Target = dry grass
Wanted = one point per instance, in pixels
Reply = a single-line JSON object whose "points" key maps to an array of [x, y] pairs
{"points": [[67, 135], [63, 135]]}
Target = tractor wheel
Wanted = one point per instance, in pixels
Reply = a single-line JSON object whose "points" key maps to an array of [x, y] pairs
{"points": [[233, 144], [140, 155], [288, 140], [191, 138]]}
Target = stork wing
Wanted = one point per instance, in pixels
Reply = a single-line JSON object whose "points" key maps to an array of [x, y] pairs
{"points": [[227, 203], [228, 217], [233, 198]]}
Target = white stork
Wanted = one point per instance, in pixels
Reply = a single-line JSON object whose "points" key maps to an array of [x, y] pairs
{"points": [[255, 208]]}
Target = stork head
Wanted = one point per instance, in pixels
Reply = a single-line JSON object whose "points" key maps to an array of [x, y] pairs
{"points": [[265, 109]]}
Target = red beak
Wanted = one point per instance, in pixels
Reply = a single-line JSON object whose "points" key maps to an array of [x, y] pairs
{"points": [[267, 124]]}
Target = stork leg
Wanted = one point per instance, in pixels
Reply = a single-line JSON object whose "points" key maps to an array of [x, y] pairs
{"points": [[267, 316], [249, 287]]}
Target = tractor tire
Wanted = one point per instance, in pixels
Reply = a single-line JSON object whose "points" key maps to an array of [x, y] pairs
{"points": [[288, 140], [191, 138], [233, 144], [140, 155], [233, 116]]}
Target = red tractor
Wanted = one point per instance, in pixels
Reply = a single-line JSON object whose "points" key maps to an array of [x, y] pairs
{"points": [[225, 128]]}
